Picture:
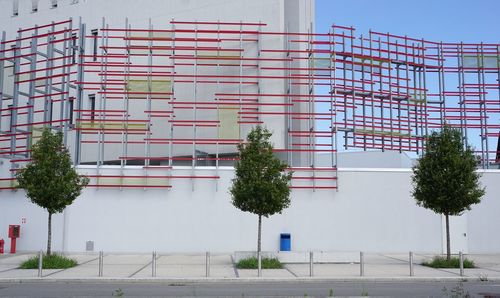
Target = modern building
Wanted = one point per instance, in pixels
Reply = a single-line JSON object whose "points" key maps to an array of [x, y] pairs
{"points": [[153, 97]]}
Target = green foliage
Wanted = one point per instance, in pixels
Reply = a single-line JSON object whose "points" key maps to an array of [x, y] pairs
{"points": [[445, 179], [261, 184], [53, 261], [252, 263], [50, 180], [443, 262]]}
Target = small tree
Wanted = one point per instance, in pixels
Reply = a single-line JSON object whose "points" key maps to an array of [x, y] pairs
{"points": [[50, 181], [261, 184], [445, 178]]}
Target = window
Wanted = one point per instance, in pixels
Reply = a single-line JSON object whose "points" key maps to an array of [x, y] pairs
{"points": [[92, 106], [34, 5], [53, 3], [73, 48], [15, 8], [94, 46], [11, 119], [71, 106]]}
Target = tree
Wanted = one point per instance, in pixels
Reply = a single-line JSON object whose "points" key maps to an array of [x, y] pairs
{"points": [[261, 183], [445, 178], [49, 179]]}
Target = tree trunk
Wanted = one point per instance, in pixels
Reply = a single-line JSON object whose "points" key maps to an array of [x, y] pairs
{"points": [[259, 234], [49, 238], [448, 249]]}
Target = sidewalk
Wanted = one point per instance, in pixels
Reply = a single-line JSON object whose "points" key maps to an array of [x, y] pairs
{"points": [[192, 267]]}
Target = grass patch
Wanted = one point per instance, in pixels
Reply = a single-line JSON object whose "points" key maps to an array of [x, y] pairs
{"points": [[251, 263], [454, 262], [53, 261]]}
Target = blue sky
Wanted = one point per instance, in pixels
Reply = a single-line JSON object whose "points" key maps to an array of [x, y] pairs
{"points": [[436, 20], [470, 21]]}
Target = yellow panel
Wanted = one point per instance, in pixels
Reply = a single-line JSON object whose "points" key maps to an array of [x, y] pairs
{"points": [[382, 132], [8, 183], [163, 86], [96, 124], [228, 126], [142, 85]]}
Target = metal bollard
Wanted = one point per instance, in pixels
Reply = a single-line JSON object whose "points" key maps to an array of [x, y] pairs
{"points": [[259, 264], [153, 265], [207, 264], [411, 263], [311, 264], [101, 261], [40, 263], [461, 259], [361, 264]]}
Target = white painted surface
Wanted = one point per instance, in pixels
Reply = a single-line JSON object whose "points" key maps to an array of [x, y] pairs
{"points": [[372, 211]]}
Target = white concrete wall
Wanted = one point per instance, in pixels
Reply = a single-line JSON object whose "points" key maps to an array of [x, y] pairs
{"points": [[372, 211], [484, 219]]}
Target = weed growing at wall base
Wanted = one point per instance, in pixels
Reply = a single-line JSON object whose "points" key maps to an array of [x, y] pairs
{"points": [[443, 262], [53, 261]]}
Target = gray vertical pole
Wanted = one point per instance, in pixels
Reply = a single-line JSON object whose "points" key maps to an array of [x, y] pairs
{"points": [[461, 258], [361, 264], [48, 101], [311, 264], [171, 136], [40, 263], [195, 108], [149, 99], [101, 260], [70, 53], [31, 92], [153, 265], [2, 56], [126, 101], [259, 264], [411, 263], [15, 98], [207, 264], [79, 89]]}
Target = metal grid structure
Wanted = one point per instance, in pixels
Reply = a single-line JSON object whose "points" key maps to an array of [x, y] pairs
{"points": [[37, 90], [187, 94]]}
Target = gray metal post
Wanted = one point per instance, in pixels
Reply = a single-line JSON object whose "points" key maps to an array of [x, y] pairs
{"points": [[40, 263], [259, 264], [461, 258], [411, 263], [101, 260], [311, 263], [153, 265], [207, 264], [361, 264]]}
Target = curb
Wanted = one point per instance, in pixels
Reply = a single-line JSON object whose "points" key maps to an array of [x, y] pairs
{"points": [[175, 281]]}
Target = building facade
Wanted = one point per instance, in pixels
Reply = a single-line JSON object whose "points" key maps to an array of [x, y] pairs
{"points": [[153, 97]]}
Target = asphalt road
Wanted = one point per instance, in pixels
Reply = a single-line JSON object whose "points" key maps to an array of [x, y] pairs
{"points": [[246, 289]]}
